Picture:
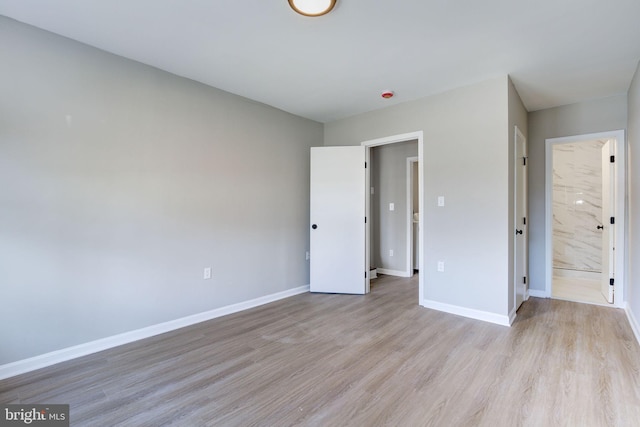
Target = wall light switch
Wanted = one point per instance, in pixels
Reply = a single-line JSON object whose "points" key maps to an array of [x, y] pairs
{"points": [[207, 273], [392, 206], [307, 256], [373, 191], [440, 200], [390, 252], [441, 266]]}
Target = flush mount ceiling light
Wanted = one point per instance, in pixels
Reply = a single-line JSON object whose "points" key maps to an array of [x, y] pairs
{"points": [[312, 7]]}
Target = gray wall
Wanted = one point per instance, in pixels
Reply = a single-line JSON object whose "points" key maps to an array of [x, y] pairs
{"points": [[517, 117], [633, 281], [593, 116], [465, 160], [120, 183], [389, 228]]}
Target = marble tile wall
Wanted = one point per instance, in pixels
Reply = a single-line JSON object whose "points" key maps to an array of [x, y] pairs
{"points": [[577, 206]]}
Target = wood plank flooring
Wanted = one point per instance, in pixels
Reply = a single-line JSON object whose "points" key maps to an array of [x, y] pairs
{"points": [[344, 360]]}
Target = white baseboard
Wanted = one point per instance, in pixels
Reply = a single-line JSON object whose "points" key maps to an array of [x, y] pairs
{"points": [[512, 316], [48, 359], [537, 293], [485, 316], [635, 326], [393, 272]]}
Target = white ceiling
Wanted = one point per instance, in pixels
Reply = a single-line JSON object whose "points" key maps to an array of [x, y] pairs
{"points": [[556, 51]]}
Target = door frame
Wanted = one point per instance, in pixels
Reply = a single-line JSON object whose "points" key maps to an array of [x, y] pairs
{"points": [[522, 189], [410, 136], [607, 238], [618, 210], [411, 164]]}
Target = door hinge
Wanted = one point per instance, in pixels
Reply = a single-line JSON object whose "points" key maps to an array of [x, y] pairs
{"points": [[611, 281], [524, 220], [612, 220], [365, 219], [365, 165], [365, 274], [524, 161], [612, 159], [524, 280]]}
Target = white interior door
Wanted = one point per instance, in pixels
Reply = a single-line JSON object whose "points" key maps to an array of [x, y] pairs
{"points": [[521, 237], [608, 234], [337, 236]]}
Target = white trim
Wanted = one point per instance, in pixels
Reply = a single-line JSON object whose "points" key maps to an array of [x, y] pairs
{"points": [[538, 294], [367, 215], [467, 312], [512, 315], [635, 326], [22, 366], [518, 190], [398, 273], [619, 210], [403, 137], [419, 135], [411, 161]]}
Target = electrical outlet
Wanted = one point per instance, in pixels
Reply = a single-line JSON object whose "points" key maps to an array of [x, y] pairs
{"points": [[390, 252], [207, 273], [392, 206], [441, 266], [440, 201]]}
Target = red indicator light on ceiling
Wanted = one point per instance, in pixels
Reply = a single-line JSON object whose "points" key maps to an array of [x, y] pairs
{"points": [[387, 94]]}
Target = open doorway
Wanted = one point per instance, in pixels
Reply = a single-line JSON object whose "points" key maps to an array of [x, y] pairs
{"points": [[409, 247], [393, 179], [340, 215], [585, 218]]}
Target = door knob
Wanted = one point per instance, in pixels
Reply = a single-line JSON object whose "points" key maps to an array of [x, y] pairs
{"points": [[518, 231], [600, 227], [314, 226]]}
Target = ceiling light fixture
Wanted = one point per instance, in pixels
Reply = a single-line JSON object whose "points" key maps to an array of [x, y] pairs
{"points": [[312, 7]]}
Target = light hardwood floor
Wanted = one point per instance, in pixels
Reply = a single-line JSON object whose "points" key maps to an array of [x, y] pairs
{"points": [[342, 360]]}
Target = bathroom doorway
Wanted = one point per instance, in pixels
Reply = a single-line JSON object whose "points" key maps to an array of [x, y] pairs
{"points": [[583, 264]]}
